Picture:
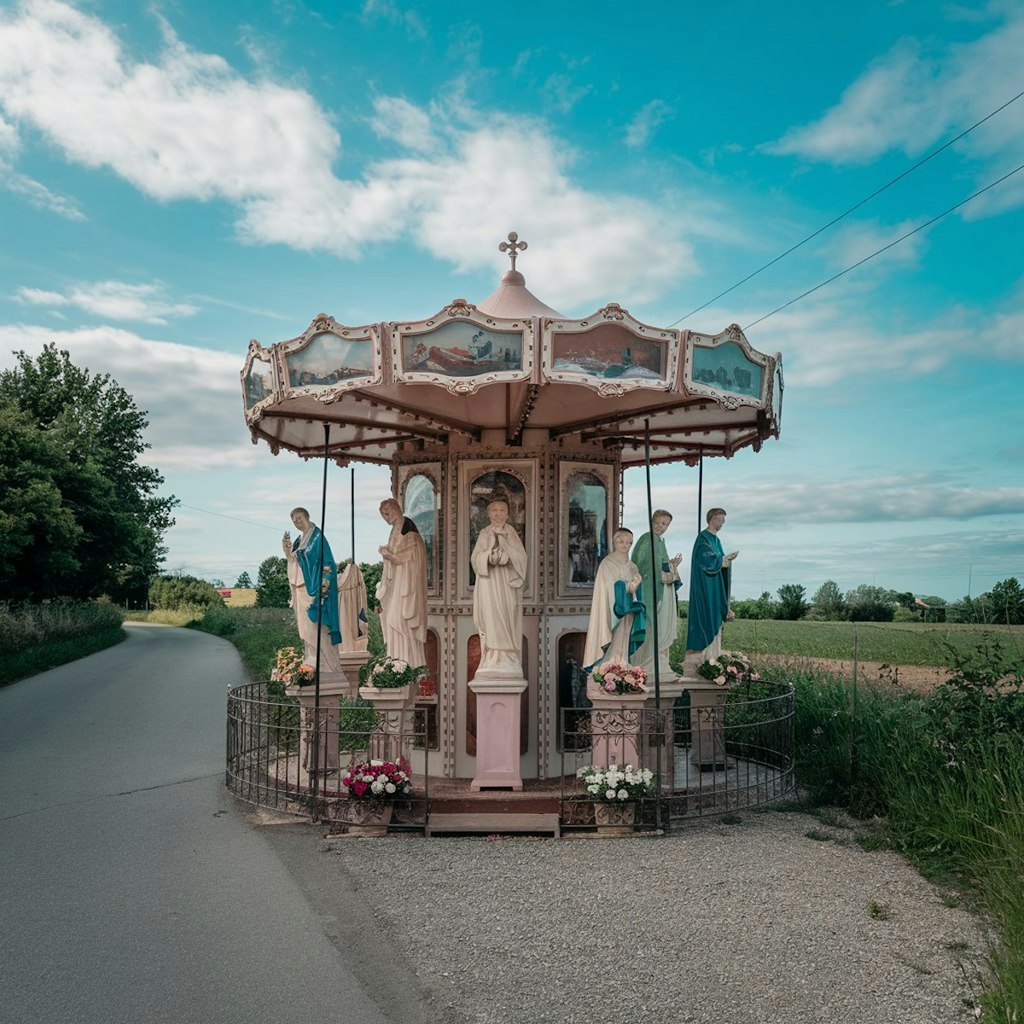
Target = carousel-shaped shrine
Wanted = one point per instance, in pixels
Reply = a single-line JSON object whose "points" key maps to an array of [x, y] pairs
{"points": [[507, 427]]}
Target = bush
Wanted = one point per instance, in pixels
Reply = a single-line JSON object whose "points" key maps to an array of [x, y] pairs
{"points": [[173, 592]]}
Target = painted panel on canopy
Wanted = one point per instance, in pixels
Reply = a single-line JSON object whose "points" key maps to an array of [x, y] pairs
{"points": [[610, 352], [461, 349], [727, 368], [328, 360], [259, 382]]}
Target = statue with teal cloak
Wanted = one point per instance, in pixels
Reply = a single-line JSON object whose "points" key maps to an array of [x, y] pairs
{"points": [[312, 576], [618, 619], [660, 583], [710, 590]]}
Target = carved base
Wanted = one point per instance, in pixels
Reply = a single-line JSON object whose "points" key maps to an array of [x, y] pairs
{"points": [[497, 731], [614, 819]]}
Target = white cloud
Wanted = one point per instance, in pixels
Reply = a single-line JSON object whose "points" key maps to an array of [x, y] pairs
{"points": [[389, 11], [854, 242], [911, 99], [189, 126], [192, 395], [646, 121], [113, 300]]}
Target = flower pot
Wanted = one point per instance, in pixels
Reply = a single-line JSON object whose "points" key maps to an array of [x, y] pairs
{"points": [[366, 817], [614, 818]]}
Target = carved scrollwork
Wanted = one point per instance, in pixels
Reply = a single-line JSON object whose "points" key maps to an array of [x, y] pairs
{"points": [[462, 387], [613, 311], [611, 390], [459, 307]]}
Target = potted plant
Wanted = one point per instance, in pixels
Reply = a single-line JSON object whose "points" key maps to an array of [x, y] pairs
{"points": [[729, 667], [373, 787], [615, 791], [387, 673]]}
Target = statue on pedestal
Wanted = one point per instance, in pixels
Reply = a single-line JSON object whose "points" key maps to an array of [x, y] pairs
{"points": [[617, 617], [499, 561], [660, 583], [402, 591], [312, 574], [710, 589]]}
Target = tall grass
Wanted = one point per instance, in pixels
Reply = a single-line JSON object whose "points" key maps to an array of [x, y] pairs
{"points": [[946, 770], [34, 638]]}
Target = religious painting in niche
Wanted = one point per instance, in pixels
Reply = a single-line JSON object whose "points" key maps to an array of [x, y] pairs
{"points": [[480, 490], [329, 359], [727, 368], [460, 349], [573, 703], [587, 528], [259, 383], [473, 663], [421, 507], [612, 352]]}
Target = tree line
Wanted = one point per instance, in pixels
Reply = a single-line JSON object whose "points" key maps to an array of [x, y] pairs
{"points": [[1002, 605]]}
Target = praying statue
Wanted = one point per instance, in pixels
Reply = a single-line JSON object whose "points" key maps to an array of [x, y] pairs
{"points": [[499, 561], [661, 581], [710, 589], [617, 616], [402, 591], [312, 578]]}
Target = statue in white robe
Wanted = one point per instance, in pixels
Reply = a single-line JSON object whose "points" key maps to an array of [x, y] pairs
{"points": [[402, 591]]}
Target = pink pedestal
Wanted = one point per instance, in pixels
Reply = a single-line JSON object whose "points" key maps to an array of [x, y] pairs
{"points": [[497, 730], [615, 722]]}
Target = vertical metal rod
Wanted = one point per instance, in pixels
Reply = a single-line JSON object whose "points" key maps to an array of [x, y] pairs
{"points": [[319, 613], [656, 642], [352, 505], [700, 493]]}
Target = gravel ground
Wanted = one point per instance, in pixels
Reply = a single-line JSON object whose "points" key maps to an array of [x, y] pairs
{"points": [[754, 922]]}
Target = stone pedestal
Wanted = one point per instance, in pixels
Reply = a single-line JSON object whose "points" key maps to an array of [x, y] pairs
{"points": [[391, 705], [615, 724], [318, 744], [497, 730], [707, 718], [659, 744]]}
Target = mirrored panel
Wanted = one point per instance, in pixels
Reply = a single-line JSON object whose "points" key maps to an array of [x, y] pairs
{"points": [[421, 506], [727, 368], [328, 360], [259, 382]]}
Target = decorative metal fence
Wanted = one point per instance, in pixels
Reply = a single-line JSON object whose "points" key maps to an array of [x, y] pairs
{"points": [[710, 752], [293, 759]]}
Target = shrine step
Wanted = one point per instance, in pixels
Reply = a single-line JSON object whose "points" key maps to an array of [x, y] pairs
{"points": [[494, 824]]}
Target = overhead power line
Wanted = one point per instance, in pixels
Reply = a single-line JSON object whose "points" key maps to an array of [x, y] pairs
{"points": [[856, 206], [220, 515], [878, 252]]}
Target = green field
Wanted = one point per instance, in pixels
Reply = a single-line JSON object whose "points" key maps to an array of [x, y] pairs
{"points": [[907, 643]]}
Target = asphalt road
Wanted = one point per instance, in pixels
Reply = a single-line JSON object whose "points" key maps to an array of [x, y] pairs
{"points": [[134, 888]]}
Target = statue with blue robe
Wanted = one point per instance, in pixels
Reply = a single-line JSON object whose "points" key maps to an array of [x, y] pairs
{"points": [[710, 590], [660, 584], [313, 581], [618, 619]]}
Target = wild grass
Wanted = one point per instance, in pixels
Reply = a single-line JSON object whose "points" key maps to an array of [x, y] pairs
{"points": [[944, 772], [898, 643], [34, 638]]}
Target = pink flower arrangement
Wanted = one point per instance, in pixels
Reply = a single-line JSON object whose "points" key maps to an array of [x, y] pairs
{"points": [[614, 677], [729, 667], [380, 780], [291, 670]]}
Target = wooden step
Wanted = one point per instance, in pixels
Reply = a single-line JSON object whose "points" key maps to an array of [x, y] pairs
{"points": [[494, 824]]}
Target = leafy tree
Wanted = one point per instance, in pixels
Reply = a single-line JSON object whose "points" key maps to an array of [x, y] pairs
{"points": [[177, 591], [272, 590], [791, 601], [829, 600], [870, 604], [1006, 602], [762, 607], [71, 481], [244, 581]]}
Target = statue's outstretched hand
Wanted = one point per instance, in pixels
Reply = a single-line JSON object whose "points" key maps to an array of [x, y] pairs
{"points": [[732, 556]]}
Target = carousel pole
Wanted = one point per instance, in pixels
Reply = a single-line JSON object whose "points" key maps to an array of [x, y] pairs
{"points": [[319, 616], [653, 603], [352, 507], [700, 490]]}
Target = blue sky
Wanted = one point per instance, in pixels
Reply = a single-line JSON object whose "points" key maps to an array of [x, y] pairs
{"points": [[178, 177]]}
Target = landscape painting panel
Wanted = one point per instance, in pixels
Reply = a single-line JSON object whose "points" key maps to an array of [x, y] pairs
{"points": [[460, 349], [612, 352], [727, 368], [328, 360], [259, 382]]}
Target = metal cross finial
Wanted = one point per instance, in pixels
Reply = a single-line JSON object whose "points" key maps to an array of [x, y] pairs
{"points": [[513, 247]]}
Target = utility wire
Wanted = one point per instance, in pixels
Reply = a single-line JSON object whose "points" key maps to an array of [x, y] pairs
{"points": [[857, 206], [220, 515], [878, 252]]}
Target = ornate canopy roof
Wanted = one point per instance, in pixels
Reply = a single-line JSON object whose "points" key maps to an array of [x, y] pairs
{"points": [[513, 369]]}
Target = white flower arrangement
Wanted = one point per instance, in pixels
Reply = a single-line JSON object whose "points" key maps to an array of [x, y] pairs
{"points": [[387, 673], [617, 783]]}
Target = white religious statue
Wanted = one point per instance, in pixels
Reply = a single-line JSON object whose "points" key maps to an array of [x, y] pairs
{"points": [[402, 591], [617, 617], [499, 560], [661, 581], [355, 635], [312, 577]]}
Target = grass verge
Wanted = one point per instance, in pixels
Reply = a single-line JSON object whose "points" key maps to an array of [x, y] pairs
{"points": [[52, 653]]}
